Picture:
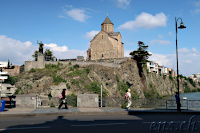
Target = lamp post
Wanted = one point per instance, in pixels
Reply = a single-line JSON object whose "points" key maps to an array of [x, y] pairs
{"points": [[180, 27]]}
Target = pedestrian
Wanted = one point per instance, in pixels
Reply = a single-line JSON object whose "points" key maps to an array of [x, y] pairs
{"points": [[63, 99], [178, 102], [176, 96], [129, 99]]}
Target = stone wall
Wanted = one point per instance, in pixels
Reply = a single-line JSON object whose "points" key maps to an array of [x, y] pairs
{"points": [[35, 64], [87, 100], [26, 101], [13, 72]]}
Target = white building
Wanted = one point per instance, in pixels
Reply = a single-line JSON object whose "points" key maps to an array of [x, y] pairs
{"points": [[152, 67], [3, 64], [193, 76], [163, 70], [198, 75]]}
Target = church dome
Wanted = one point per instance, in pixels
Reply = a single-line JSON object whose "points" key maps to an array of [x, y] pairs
{"points": [[107, 21]]}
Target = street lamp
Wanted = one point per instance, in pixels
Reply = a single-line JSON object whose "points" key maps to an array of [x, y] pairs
{"points": [[180, 27]]}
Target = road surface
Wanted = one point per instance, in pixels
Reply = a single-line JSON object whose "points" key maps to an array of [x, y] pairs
{"points": [[120, 123]]}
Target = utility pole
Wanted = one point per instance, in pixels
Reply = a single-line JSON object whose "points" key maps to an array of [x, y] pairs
{"points": [[101, 95]]}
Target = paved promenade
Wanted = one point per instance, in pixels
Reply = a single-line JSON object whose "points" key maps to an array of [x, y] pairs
{"points": [[20, 112]]}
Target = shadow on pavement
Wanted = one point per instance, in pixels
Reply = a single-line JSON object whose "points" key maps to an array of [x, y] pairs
{"points": [[62, 124]]}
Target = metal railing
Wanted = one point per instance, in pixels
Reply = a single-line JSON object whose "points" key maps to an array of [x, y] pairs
{"points": [[121, 102]]}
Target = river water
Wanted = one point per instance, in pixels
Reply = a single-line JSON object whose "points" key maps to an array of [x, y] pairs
{"points": [[192, 102], [191, 96]]}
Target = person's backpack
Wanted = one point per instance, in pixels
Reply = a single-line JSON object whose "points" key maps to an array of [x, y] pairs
{"points": [[126, 97], [60, 96]]}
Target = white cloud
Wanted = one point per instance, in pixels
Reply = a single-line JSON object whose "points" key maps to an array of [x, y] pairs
{"points": [[91, 34], [160, 36], [122, 3], [69, 6], [77, 14], [146, 20], [55, 47], [184, 50], [196, 11], [70, 54], [163, 42], [61, 16], [188, 60], [62, 52], [197, 3], [127, 52], [16, 51]]}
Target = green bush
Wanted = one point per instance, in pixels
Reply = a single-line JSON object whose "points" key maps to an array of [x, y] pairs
{"points": [[186, 88], [68, 86], [76, 66], [72, 100], [123, 87], [191, 82], [71, 69], [53, 66], [134, 94], [170, 77], [76, 73], [52, 105], [164, 77], [11, 80], [18, 90], [87, 70], [124, 104], [32, 70], [75, 82], [58, 79], [151, 92], [117, 78], [96, 88], [70, 63]]}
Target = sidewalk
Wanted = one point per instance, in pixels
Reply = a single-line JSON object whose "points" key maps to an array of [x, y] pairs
{"points": [[22, 112]]}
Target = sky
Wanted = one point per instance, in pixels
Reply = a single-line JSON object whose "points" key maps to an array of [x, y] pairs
{"points": [[66, 27]]}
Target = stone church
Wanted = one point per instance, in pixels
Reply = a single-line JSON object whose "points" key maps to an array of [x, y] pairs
{"points": [[106, 44]]}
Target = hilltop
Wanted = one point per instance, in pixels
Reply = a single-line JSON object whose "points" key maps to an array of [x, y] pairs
{"points": [[87, 79]]}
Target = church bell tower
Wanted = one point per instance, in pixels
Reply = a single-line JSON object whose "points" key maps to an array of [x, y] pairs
{"points": [[107, 25]]}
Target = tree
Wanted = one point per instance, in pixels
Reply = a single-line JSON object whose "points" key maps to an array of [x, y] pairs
{"points": [[48, 55], [35, 55], [141, 56]]}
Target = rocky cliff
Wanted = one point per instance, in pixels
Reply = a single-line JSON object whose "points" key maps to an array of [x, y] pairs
{"points": [[88, 79]]}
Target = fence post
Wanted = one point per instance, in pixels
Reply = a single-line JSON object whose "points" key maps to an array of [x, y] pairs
{"points": [[36, 102], [166, 104]]}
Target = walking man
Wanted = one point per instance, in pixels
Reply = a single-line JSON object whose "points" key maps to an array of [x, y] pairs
{"points": [[129, 99]]}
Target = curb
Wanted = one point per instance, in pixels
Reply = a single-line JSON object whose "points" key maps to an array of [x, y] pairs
{"points": [[131, 112], [60, 113]]}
